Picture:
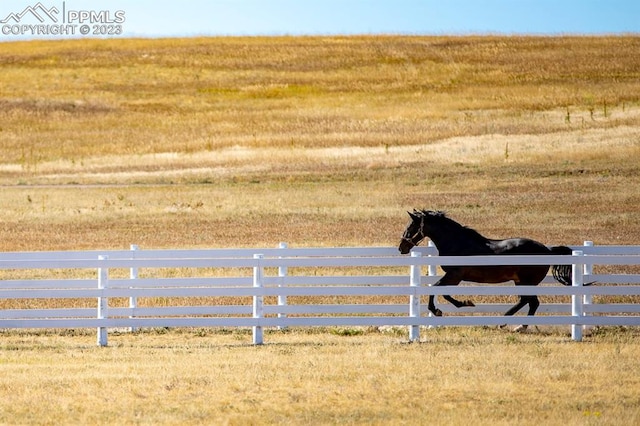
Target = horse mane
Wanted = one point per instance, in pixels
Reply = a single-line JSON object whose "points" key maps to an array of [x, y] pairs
{"points": [[470, 233]]}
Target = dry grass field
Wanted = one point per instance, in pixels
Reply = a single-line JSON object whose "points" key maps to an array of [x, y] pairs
{"points": [[317, 141], [470, 376], [250, 141]]}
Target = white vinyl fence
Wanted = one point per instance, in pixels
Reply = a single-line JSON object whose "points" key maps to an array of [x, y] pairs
{"points": [[283, 287]]}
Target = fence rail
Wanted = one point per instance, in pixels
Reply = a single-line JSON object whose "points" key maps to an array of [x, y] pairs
{"points": [[255, 288]]}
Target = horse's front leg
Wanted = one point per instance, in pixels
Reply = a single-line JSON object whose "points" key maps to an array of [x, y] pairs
{"points": [[459, 303], [449, 278]]}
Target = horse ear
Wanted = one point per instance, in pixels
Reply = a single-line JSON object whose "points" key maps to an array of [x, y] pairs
{"points": [[413, 215]]}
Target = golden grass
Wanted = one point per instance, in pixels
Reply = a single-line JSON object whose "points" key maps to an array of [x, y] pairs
{"points": [[455, 376], [317, 141], [241, 138], [81, 98]]}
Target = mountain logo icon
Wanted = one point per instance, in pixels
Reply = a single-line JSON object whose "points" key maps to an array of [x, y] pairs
{"points": [[39, 11]]}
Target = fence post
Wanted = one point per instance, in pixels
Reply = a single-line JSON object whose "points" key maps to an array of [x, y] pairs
{"points": [[414, 299], [588, 270], [133, 274], [577, 300], [103, 302], [432, 271], [282, 298], [258, 306]]}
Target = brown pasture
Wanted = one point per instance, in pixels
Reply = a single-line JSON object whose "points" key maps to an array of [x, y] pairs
{"points": [[317, 141]]}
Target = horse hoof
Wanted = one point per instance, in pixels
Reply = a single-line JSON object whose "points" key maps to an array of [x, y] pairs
{"points": [[438, 313], [520, 329], [468, 303]]}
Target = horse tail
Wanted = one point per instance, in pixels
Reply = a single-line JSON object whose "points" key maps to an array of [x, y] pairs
{"points": [[562, 273]]}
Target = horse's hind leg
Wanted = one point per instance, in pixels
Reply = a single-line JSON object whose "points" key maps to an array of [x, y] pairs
{"points": [[523, 301], [533, 303], [533, 307]]}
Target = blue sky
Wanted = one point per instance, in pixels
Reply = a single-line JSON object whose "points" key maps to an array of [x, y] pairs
{"points": [[148, 18]]}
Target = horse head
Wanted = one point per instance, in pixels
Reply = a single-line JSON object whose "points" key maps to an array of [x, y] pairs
{"points": [[420, 227], [413, 234]]}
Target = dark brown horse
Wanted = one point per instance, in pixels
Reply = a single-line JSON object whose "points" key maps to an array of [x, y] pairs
{"points": [[453, 239]]}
